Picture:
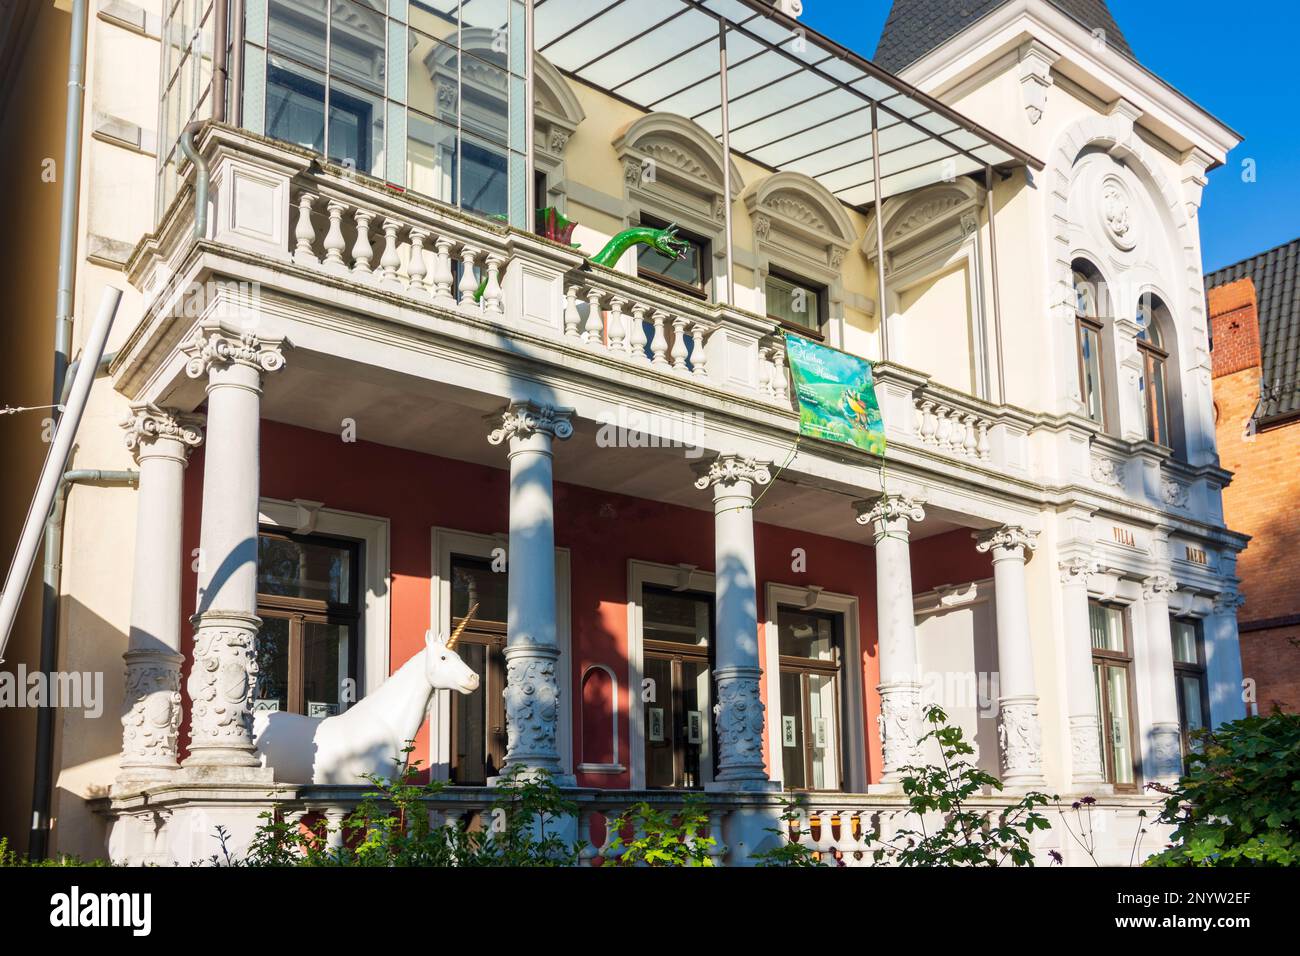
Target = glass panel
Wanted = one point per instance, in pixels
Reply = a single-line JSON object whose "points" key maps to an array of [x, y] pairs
{"points": [[474, 582], [313, 570], [471, 756], [821, 730], [800, 634], [431, 158], [793, 304], [397, 65], [1184, 637], [432, 77], [357, 45], [484, 178], [691, 725], [437, 18], [295, 104], [395, 171], [1097, 673], [680, 618], [1192, 692], [657, 721], [324, 666], [1157, 411], [272, 689], [254, 115], [1107, 626], [356, 129], [1119, 727], [255, 20], [518, 39], [1090, 369], [484, 30], [792, 742], [296, 28], [484, 100], [688, 268]]}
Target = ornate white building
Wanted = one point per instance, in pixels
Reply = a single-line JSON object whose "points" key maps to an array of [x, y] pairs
{"points": [[396, 402]]}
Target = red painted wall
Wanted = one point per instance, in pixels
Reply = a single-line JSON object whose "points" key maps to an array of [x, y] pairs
{"points": [[602, 530]]}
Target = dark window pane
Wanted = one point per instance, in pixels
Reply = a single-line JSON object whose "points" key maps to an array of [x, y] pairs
{"points": [[792, 743], [484, 178], [325, 666], [295, 105], [357, 45], [272, 689], [687, 269], [474, 582], [680, 618], [794, 304], [470, 758], [356, 129], [314, 570], [658, 724], [800, 634]]}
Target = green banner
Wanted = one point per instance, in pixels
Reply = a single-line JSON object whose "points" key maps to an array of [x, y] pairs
{"points": [[837, 396]]}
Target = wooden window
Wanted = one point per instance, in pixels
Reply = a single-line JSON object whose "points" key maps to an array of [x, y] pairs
{"points": [[478, 720], [677, 631], [1112, 663], [798, 305], [689, 273], [308, 599], [1189, 679], [810, 646]]}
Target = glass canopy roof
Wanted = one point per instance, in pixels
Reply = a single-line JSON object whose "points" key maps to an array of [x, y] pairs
{"points": [[797, 100]]}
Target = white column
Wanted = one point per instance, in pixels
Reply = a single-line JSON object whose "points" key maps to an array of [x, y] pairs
{"points": [[161, 441], [899, 723], [1166, 737], [1086, 771], [532, 692], [1019, 730], [221, 678], [1223, 659], [738, 708]]}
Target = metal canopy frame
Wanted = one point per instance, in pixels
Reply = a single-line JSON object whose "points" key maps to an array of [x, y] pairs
{"points": [[660, 57]]}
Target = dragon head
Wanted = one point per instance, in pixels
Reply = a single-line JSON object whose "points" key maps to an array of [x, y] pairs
{"points": [[666, 243]]}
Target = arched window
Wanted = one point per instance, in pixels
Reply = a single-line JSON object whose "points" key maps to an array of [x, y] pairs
{"points": [[1154, 381], [1089, 303]]}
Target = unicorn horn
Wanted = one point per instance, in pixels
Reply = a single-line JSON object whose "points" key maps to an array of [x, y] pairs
{"points": [[460, 628]]}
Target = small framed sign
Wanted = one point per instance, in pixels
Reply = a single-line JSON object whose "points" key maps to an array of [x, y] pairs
{"points": [[789, 735], [694, 726], [318, 708], [655, 724], [266, 704], [819, 733]]}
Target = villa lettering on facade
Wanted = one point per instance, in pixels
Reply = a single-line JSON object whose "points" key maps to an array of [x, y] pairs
{"points": [[406, 398]]}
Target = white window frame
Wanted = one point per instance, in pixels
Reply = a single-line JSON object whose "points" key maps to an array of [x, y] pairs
{"points": [[444, 543], [681, 577], [853, 702], [309, 517]]}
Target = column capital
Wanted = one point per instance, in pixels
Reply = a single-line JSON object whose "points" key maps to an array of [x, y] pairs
{"points": [[1227, 602], [1158, 587], [732, 469], [148, 423], [526, 419], [1007, 538], [1076, 570], [217, 346], [890, 508]]}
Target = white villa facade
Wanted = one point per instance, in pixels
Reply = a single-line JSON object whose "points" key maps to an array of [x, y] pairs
{"points": [[358, 389]]}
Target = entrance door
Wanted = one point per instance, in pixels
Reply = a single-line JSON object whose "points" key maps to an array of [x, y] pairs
{"points": [[677, 642], [478, 720], [809, 643]]}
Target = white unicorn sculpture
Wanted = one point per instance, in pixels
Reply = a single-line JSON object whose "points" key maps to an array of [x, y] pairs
{"points": [[369, 737]]}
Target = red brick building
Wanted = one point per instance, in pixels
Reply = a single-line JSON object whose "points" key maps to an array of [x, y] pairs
{"points": [[1255, 344]]}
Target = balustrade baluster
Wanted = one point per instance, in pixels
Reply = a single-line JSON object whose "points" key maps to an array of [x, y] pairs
{"points": [[334, 243], [678, 351], [304, 252], [415, 267], [572, 317], [468, 278], [493, 303], [443, 277], [593, 332], [362, 251], [390, 261], [658, 343], [636, 338], [983, 448], [699, 354], [617, 332]]}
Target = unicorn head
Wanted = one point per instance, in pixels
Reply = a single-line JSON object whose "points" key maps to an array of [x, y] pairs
{"points": [[443, 667]]}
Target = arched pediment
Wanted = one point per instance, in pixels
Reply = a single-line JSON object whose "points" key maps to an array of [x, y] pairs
{"points": [[794, 214], [557, 111], [934, 214], [682, 153]]}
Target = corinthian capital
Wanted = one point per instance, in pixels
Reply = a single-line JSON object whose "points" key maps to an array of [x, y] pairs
{"points": [[730, 469], [889, 508], [525, 419], [1158, 586], [1006, 538], [148, 423], [218, 346]]}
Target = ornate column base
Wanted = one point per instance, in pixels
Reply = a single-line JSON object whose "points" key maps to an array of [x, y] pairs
{"points": [[1166, 752], [900, 729], [220, 686], [1021, 740], [738, 716], [1086, 772], [532, 696], [151, 718]]}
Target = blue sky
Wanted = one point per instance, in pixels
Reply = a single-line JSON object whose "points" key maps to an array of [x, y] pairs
{"points": [[1235, 60]]}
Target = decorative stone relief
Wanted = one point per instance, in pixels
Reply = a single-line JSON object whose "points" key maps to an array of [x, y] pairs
{"points": [[1076, 570], [151, 717], [738, 715], [1159, 587], [217, 347], [1021, 737], [148, 423], [899, 724], [1117, 213], [1007, 538], [1036, 77], [532, 697], [890, 508], [1085, 748], [1174, 493], [221, 683], [1108, 471]]}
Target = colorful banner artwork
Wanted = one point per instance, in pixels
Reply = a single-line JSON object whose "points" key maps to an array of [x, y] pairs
{"points": [[837, 396]]}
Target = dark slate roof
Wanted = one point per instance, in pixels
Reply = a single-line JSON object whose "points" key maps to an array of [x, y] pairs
{"points": [[915, 27], [1276, 275]]}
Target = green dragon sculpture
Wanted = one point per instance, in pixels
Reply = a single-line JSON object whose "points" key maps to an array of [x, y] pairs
{"points": [[663, 241]]}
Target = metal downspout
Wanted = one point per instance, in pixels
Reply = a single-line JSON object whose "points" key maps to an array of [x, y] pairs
{"points": [[71, 173]]}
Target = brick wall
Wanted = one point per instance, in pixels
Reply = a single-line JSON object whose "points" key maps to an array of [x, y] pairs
{"points": [[1261, 501]]}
